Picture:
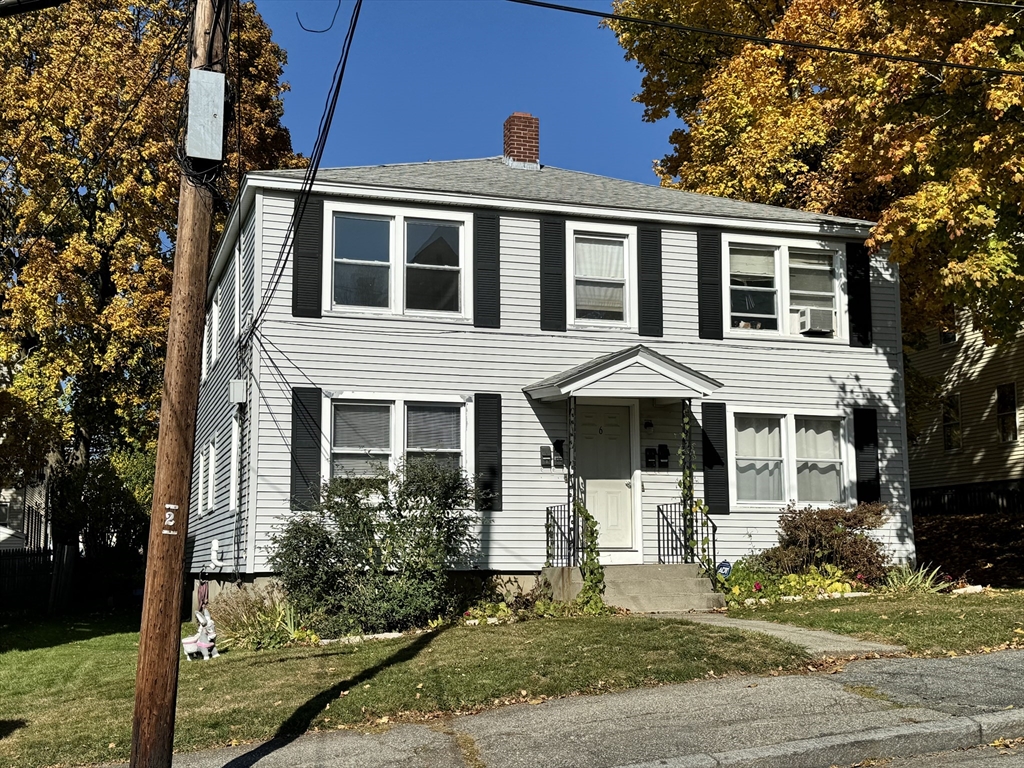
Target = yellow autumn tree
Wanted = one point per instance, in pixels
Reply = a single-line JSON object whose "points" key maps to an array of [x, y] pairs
{"points": [[92, 94], [933, 154]]}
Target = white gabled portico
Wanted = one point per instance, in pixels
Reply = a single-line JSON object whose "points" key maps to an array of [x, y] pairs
{"points": [[603, 457]]}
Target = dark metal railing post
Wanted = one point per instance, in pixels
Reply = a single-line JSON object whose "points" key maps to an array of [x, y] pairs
{"points": [[574, 487]]}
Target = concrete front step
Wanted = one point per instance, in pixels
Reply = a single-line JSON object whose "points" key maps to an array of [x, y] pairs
{"points": [[654, 587], [644, 588], [667, 603]]}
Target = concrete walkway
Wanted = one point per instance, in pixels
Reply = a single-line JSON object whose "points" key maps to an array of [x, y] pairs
{"points": [[817, 642]]}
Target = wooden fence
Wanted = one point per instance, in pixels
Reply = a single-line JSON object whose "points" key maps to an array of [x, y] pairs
{"points": [[25, 578]]}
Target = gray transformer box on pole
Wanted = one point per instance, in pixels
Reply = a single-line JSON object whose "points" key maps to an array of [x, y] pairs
{"points": [[205, 137]]}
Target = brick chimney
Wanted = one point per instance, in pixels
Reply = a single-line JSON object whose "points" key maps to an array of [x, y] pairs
{"points": [[522, 141]]}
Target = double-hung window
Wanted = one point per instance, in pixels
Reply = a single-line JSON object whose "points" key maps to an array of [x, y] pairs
{"points": [[1006, 412], [5, 514], [952, 437], [753, 292], [399, 262], [367, 434], [434, 432], [787, 289], [361, 438], [819, 459], [759, 463], [789, 457], [601, 261]]}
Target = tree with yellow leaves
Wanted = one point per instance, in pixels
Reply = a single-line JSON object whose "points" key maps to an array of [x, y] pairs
{"points": [[92, 94], [934, 154]]}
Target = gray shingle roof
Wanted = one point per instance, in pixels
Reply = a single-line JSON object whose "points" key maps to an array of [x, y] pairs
{"points": [[491, 177]]}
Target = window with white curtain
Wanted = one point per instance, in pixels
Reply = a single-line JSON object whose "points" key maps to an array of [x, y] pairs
{"points": [[819, 463], [360, 438], [759, 462], [434, 432], [600, 277]]}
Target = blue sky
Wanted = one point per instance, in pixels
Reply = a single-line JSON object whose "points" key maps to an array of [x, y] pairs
{"points": [[435, 80]]}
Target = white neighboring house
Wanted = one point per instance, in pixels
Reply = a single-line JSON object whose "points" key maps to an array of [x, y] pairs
{"points": [[22, 518], [544, 328]]}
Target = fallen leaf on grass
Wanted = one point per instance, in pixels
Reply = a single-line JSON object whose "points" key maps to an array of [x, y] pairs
{"points": [[277, 703], [111, 745]]}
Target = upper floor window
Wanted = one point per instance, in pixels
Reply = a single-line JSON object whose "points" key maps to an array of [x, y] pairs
{"points": [[1006, 412], [601, 262], [402, 262], [952, 438], [784, 289]]}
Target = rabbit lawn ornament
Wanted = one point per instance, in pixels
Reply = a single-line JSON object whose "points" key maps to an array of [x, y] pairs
{"points": [[203, 642]]}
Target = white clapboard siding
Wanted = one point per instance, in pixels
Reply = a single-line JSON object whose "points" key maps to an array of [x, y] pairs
{"points": [[421, 358], [974, 370], [226, 521]]}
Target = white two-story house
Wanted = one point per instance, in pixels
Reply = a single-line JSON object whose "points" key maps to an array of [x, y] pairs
{"points": [[560, 336]]}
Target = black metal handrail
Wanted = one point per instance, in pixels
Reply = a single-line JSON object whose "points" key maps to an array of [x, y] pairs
{"points": [[686, 534], [563, 536]]}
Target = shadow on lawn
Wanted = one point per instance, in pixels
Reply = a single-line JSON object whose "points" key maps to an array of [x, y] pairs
{"points": [[21, 634], [985, 547], [7, 727], [300, 720]]}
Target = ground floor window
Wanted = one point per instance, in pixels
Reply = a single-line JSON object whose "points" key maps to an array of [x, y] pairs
{"points": [[782, 457], [367, 434]]}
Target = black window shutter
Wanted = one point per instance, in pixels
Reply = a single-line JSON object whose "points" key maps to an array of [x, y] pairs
{"points": [[858, 293], [649, 263], [307, 261], [865, 444], [486, 270], [709, 283], [488, 450], [552, 274], [306, 437], [714, 444]]}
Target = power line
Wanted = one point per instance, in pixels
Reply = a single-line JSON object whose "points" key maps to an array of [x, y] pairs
{"points": [[311, 170], [770, 40], [988, 3]]}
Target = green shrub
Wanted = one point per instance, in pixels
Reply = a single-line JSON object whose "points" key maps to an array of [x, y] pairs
{"points": [[377, 553], [836, 536], [258, 618]]}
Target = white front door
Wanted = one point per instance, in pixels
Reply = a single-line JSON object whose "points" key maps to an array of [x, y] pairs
{"points": [[604, 463]]}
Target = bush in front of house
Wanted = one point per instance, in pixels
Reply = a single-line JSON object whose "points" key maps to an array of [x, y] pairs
{"points": [[836, 536], [377, 553]]}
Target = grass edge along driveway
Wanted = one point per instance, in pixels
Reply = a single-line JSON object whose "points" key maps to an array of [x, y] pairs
{"points": [[66, 691], [927, 624]]}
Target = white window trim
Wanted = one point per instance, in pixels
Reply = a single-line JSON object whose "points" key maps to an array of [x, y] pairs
{"points": [[398, 402], [782, 246], [204, 365], [1014, 412], [397, 216], [211, 492], [215, 328], [201, 485], [788, 417], [236, 441], [630, 294]]}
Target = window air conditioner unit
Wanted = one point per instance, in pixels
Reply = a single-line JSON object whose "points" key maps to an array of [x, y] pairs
{"points": [[817, 322]]}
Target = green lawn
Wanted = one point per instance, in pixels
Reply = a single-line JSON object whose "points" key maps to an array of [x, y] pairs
{"points": [[926, 624], [66, 691]]}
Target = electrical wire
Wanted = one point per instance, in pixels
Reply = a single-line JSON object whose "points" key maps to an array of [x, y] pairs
{"points": [[769, 40], [987, 3], [311, 170], [169, 50]]}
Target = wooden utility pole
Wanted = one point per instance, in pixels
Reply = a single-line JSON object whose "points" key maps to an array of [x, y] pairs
{"points": [[156, 683]]}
